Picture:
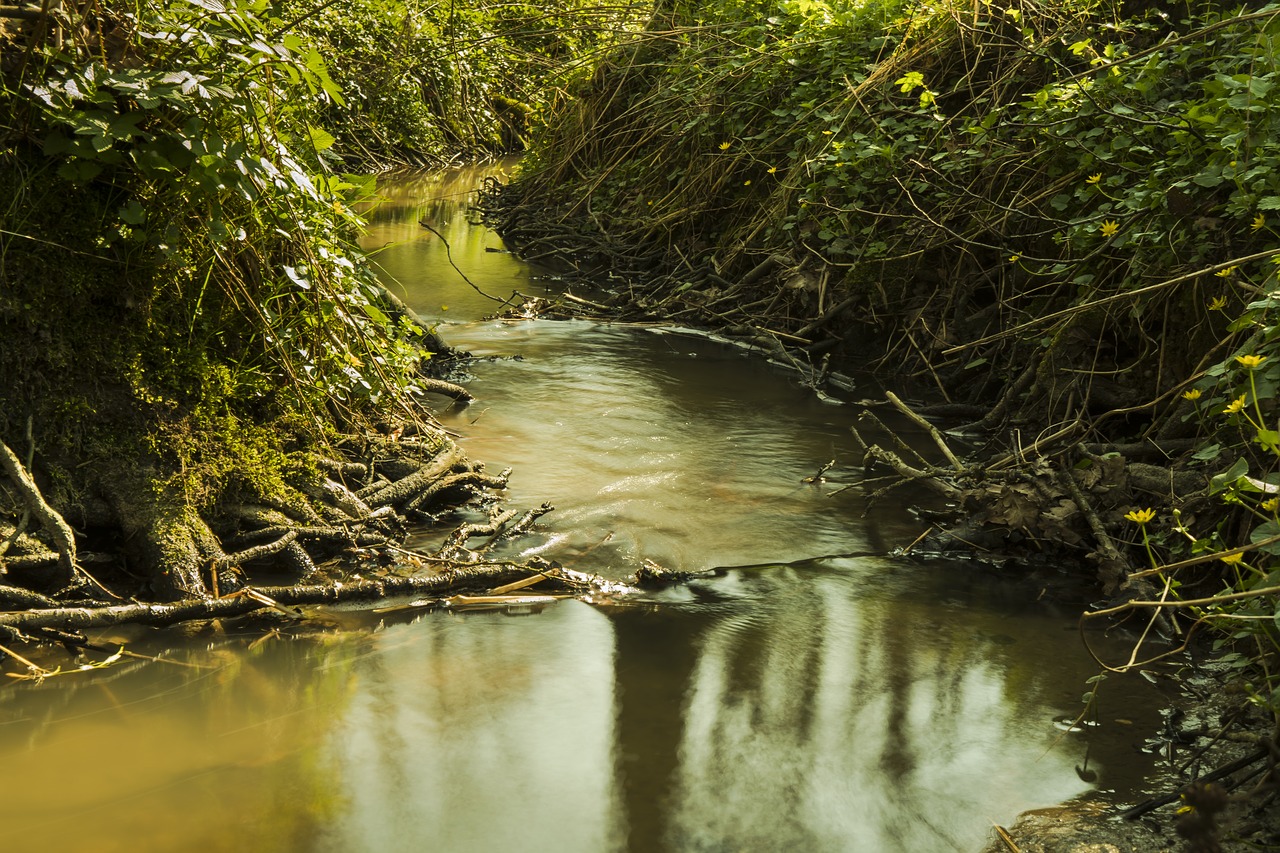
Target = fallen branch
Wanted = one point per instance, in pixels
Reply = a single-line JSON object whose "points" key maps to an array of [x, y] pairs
{"points": [[13, 597], [927, 427], [238, 605]]}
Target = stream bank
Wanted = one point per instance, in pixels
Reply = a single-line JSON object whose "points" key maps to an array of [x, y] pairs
{"points": [[812, 690], [1024, 215]]}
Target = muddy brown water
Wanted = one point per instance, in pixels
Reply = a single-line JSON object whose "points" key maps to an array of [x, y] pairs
{"points": [[820, 695]]}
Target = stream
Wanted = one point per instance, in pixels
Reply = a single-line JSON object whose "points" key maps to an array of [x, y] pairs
{"points": [[819, 694]]}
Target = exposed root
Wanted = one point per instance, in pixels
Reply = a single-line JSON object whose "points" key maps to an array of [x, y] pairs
{"points": [[50, 520], [204, 565]]}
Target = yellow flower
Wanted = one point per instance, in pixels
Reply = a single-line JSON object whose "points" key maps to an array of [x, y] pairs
{"points": [[746, 183], [1140, 516], [725, 146], [1231, 558], [1093, 179], [1218, 303], [1226, 273], [1013, 259], [1270, 505], [1235, 405], [773, 170], [1259, 222], [1249, 362], [338, 208], [1192, 395], [1110, 227]]}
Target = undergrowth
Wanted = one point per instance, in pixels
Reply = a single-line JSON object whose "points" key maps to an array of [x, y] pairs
{"points": [[1062, 216], [187, 319]]}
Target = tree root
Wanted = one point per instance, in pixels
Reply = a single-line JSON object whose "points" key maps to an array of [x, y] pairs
{"points": [[52, 522], [179, 564], [447, 389]]}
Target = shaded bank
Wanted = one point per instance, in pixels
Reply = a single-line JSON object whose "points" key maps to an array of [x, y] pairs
{"points": [[1055, 221], [1050, 227]]}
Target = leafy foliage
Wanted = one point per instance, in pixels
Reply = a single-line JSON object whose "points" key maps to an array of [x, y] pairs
{"points": [[217, 278], [1084, 194], [423, 82]]}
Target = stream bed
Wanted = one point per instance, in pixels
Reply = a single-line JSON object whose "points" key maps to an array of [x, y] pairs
{"points": [[818, 694]]}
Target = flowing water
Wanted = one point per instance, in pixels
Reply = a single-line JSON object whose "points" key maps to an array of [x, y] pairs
{"points": [[819, 695]]}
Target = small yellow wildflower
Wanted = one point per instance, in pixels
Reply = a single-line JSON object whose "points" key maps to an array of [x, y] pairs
{"points": [[827, 132], [1231, 558], [1093, 179], [1259, 222], [1218, 303], [725, 146], [1110, 227], [746, 183], [1192, 395], [1235, 405], [773, 170], [1140, 516], [1226, 273], [1013, 259], [1270, 505], [338, 208], [1249, 362]]}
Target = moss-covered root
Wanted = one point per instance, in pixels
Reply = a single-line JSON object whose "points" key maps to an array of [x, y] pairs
{"points": [[164, 539]]}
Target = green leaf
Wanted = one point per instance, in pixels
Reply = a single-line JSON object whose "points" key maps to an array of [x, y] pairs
{"points": [[1208, 453], [1264, 531], [1269, 439], [909, 82], [1229, 477], [297, 277], [132, 213], [321, 139]]}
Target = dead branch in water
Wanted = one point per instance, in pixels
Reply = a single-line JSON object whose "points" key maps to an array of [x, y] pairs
{"points": [[250, 599]]}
